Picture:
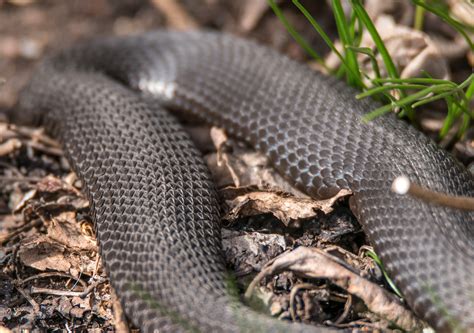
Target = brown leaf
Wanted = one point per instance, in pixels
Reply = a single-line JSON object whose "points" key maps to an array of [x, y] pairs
{"points": [[463, 11], [245, 249], [176, 15], [20, 202], [65, 230], [245, 168], [283, 206], [42, 253], [251, 13], [238, 166], [412, 51], [315, 263], [9, 146], [51, 185]]}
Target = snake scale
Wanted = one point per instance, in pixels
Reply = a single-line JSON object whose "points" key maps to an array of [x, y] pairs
{"points": [[155, 206]]}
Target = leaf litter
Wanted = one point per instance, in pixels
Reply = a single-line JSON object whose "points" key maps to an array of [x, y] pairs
{"points": [[52, 277], [52, 233], [290, 212], [50, 267]]}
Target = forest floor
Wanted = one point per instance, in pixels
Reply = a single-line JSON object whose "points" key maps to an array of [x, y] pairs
{"points": [[51, 274]]}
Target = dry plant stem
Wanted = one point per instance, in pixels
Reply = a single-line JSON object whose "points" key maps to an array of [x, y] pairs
{"points": [[176, 16], [402, 185], [121, 324], [19, 230], [20, 179], [52, 274], [35, 135], [314, 263], [293, 293], [345, 313], [10, 167], [30, 299], [45, 149], [84, 293], [96, 268], [9, 146], [361, 323]]}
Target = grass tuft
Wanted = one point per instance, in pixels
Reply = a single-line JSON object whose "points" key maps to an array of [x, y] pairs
{"points": [[412, 92], [378, 261]]}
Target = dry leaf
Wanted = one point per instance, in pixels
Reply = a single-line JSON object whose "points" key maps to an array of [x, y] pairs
{"points": [[246, 168], [176, 15], [314, 263], [402, 10], [463, 10], [249, 251], [65, 230], [43, 253], [251, 13], [236, 166], [9, 146], [283, 206], [4, 330], [51, 185], [412, 51], [17, 206]]}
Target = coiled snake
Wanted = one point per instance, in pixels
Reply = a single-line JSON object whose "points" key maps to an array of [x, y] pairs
{"points": [[155, 206]]}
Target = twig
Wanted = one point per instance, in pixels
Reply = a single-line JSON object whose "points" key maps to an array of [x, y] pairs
{"points": [[44, 149], [9, 146], [361, 323], [30, 299], [314, 263], [120, 319], [82, 294], [19, 230], [23, 179], [176, 16], [52, 274], [347, 309], [35, 135], [402, 185], [96, 268], [293, 293]]}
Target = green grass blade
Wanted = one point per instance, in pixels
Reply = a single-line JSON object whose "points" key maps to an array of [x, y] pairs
{"points": [[427, 89], [450, 118], [380, 89], [368, 51], [343, 29], [387, 59], [408, 100], [448, 19], [419, 18], [355, 30], [377, 260], [432, 98], [296, 36], [364, 17], [415, 80], [325, 37], [468, 97], [466, 122]]}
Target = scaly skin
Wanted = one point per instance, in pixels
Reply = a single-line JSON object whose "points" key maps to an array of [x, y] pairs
{"points": [[155, 208]]}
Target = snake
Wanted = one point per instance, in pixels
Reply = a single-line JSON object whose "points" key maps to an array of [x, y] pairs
{"points": [[114, 103]]}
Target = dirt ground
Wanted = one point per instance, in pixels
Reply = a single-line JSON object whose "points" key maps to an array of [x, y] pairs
{"points": [[51, 275]]}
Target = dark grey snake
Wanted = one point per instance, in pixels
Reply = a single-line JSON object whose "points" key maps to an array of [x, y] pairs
{"points": [[154, 203]]}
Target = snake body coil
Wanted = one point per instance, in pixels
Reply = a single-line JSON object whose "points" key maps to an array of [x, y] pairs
{"points": [[154, 204]]}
